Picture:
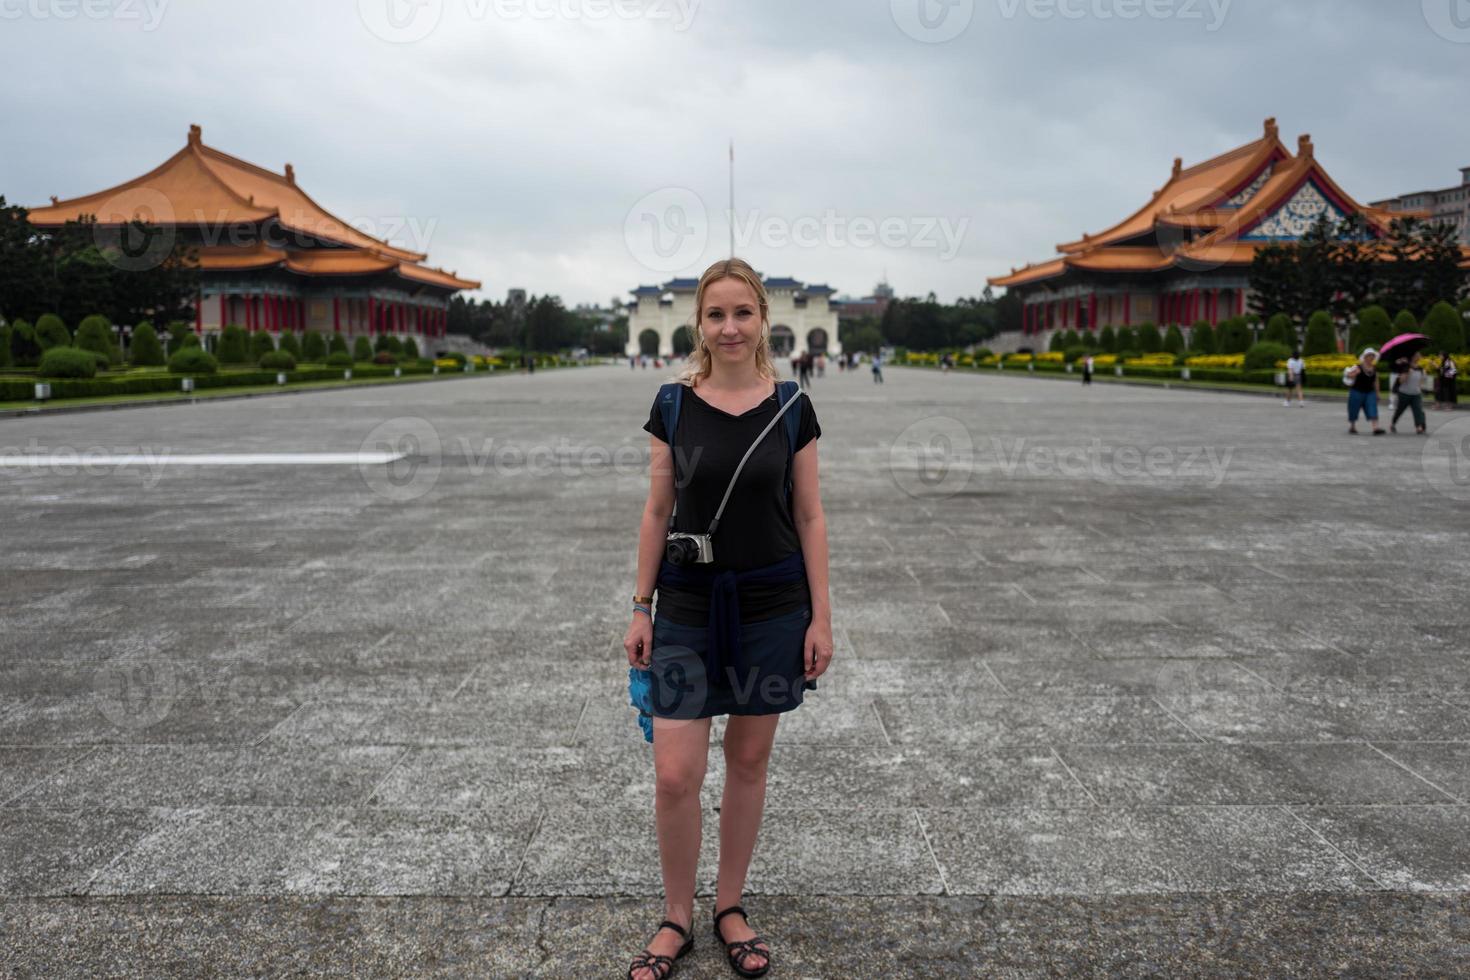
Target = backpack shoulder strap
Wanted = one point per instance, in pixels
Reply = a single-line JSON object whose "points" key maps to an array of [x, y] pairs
{"points": [[784, 392], [670, 396]]}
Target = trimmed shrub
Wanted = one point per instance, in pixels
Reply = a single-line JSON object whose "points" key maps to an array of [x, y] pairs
{"points": [[1321, 335], [192, 360], [1149, 340], [362, 349], [1124, 355], [1108, 339], [277, 360], [313, 346], [1405, 322], [1202, 339], [1279, 330], [25, 350], [67, 362], [1443, 327], [410, 350], [385, 357], [1073, 354], [261, 344], [179, 341], [1174, 340], [4, 346], [388, 342], [338, 345], [1372, 329], [94, 333], [1233, 337], [1263, 355], [1127, 340], [146, 351], [290, 345], [460, 359], [1058, 341], [339, 358], [51, 332], [234, 347]]}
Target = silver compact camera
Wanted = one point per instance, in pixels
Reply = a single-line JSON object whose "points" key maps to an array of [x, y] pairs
{"points": [[689, 549]]}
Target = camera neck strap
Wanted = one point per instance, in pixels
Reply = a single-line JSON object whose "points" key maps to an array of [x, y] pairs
{"points": [[714, 524]]}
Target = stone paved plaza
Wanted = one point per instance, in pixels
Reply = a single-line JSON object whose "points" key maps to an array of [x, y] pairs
{"points": [[1128, 682]]}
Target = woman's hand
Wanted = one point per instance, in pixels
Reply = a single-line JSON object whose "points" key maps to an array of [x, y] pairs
{"points": [[817, 650], [638, 642]]}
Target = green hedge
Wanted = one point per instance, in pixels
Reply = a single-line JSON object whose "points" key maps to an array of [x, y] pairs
{"points": [[20, 389]]}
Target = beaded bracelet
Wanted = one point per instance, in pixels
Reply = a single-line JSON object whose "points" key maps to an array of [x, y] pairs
{"points": [[645, 610]]}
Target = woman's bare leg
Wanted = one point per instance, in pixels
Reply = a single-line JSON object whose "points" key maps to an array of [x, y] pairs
{"points": [[680, 752], [748, 740]]}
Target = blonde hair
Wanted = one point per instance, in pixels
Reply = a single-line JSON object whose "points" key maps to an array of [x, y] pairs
{"points": [[700, 363]]}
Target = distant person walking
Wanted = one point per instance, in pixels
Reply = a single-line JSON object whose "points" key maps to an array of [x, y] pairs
{"points": [[1445, 394], [804, 370], [1087, 370], [944, 362], [821, 365], [1410, 388], [1362, 379], [878, 369], [1296, 376]]}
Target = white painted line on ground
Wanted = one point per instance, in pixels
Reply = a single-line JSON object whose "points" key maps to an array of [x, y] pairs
{"points": [[199, 459]]}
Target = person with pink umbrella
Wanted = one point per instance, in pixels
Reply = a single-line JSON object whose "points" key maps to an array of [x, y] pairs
{"points": [[1409, 386]]}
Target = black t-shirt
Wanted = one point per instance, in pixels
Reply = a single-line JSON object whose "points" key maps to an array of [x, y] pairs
{"points": [[756, 528]]}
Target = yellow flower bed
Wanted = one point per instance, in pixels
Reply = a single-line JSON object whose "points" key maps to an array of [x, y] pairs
{"points": [[445, 362], [1152, 360], [918, 357], [1328, 362], [1430, 362], [1105, 360], [990, 361], [1217, 361], [1051, 357], [1018, 358]]}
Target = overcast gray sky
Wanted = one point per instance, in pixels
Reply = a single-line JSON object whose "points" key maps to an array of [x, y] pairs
{"points": [[580, 146]]}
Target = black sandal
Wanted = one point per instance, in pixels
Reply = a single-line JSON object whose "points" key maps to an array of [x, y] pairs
{"points": [[662, 966], [738, 951]]}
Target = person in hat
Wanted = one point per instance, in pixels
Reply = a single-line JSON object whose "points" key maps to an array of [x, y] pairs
{"points": [[1362, 380], [1409, 385]]}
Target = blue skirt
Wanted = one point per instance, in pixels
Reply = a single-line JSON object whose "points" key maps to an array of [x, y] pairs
{"points": [[768, 679]]}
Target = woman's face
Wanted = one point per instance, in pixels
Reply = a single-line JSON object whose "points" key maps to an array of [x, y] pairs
{"points": [[1369, 360], [730, 321]]}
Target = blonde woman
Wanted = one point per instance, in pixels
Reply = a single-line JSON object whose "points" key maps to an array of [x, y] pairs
{"points": [[743, 635]]}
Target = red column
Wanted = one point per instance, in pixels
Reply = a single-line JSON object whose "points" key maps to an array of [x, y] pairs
{"points": [[1092, 312], [249, 312], [1214, 306], [1127, 309], [199, 313], [336, 313], [372, 315], [1240, 302], [224, 310]]}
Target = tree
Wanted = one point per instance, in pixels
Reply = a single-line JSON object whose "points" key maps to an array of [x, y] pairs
{"points": [[290, 345], [1149, 341], [338, 344], [234, 348], [1321, 335], [1317, 273], [25, 349], [1355, 266], [146, 351], [1444, 328], [1280, 330], [1275, 281], [410, 349], [94, 333], [1127, 340], [313, 347], [1202, 339], [1233, 336], [51, 332], [261, 344], [1372, 329], [1405, 322], [1174, 340], [181, 335], [1058, 341], [1107, 340], [362, 350]]}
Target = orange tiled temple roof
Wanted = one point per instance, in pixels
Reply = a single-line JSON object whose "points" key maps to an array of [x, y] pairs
{"points": [[200, 185], [1219, 200]]}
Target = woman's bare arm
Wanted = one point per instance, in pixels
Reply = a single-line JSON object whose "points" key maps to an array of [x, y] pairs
{"points": [[654, 528], [811, 528]]}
